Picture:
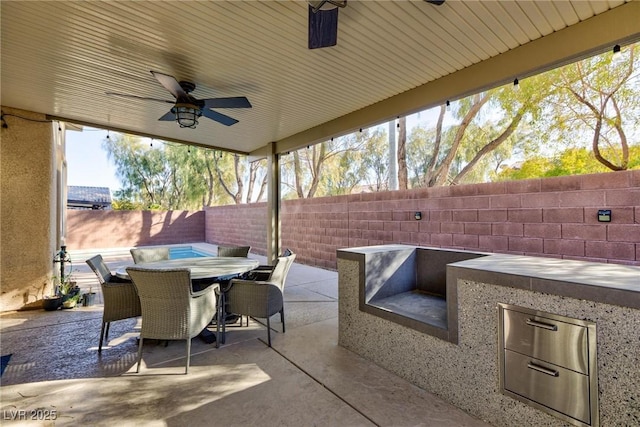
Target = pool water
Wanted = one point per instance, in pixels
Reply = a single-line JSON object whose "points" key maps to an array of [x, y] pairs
{"points": [[186, 252]]}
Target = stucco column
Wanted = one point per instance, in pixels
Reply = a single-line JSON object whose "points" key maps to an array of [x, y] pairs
{"points": [[28, 207]]}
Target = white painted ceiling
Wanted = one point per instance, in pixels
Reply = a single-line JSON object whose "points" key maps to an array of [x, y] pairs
{"points": [[60, 58]]}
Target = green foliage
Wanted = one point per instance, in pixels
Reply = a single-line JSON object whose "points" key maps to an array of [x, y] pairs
{"points": [[572, 161], [330, 168], [376, 161], [586, 113], [122, 203], [172, 176]]}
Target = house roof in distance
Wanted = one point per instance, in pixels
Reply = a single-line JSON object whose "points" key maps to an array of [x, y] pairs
{"points": [[88, 197]]}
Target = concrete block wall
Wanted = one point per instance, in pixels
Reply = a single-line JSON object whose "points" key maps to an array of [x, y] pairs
{"points": [[553, 217], [87, 229], [315, 228], [238, 225]]}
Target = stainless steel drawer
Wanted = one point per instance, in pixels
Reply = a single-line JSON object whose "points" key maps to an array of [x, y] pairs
{"points": [[554, 341], [552, 386]]}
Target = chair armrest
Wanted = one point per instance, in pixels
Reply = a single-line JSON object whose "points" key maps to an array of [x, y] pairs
{"points": [[262, 272], [214, 287], [258, 299], [118, 289], [248, 282], [116, 279]]}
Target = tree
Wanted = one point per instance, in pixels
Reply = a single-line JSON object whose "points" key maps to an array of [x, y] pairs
{"points": [[376, 161], [572, 161], [560, 108], [173, 176], [456, 150], [314, 158], [147, 176], [344, 174], [311, 171], [403, 177], [233, 187], [598, 96]]}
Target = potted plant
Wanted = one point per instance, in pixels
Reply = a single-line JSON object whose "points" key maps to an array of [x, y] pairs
{"points": [[65, 291], [88, 299], [67, 288], [71, 301], [64, 286], [52, 302]]}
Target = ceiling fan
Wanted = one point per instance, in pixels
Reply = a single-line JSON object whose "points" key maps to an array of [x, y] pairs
{"points": [[187, 109], [323, 21]]}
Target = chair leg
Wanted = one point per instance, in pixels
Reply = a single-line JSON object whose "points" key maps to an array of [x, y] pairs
{"points": [[101, 337], [219, 314], [106, 334], [268, 331], [223, 317], [139, 355], [282, 318], [186, 369], [218, 338]]}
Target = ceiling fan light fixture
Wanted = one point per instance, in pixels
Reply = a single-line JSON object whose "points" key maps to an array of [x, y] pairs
{"points": [[187, 115]]}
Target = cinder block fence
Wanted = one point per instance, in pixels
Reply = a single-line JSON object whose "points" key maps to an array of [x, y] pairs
{"points": [[554, 217]]}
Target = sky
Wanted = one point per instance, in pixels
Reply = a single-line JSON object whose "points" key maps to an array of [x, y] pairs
{"points": [[87, 162]]}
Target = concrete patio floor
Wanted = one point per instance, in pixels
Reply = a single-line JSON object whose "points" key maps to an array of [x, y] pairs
{"points": [[305, 379]]}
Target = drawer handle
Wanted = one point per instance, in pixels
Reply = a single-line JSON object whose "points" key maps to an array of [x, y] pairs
{"points": [[542, 369], [542, 325]]}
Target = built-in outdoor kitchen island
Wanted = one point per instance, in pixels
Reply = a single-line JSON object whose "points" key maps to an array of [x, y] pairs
{"points": [[513, 340]]}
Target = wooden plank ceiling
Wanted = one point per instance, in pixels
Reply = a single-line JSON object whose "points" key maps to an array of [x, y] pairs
{"points": [[60, 58]]}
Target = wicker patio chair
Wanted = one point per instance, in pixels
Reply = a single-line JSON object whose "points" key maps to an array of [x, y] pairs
{"points": [[234, 251], [229, 251], [261, 298], [171, 310], [263, 271], [120, 297], [142, 255]]}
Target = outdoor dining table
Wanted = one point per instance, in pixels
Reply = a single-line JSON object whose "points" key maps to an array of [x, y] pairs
{"points": [[200, 267], [203, 269]]}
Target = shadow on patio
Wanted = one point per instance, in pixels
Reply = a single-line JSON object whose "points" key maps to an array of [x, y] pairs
{"points": [[304, 379]]}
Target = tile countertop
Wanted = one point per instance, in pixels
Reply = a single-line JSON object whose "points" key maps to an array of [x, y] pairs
{"points": [[601, 282]]}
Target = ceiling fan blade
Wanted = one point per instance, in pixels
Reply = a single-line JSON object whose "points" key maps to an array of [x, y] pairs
{"points": [[219, 117], [171, 84], [436, 2], [234, 102], [323, 28], [169, 117], [138, 97]]}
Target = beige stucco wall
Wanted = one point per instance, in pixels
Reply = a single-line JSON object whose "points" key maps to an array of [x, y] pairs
{"points": [[28, 206]]}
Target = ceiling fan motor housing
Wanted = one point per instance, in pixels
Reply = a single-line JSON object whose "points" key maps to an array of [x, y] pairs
{"points": [[187, 86]]}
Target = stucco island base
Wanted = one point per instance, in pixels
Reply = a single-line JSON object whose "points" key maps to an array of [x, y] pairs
{"points": [[466, 373]]}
